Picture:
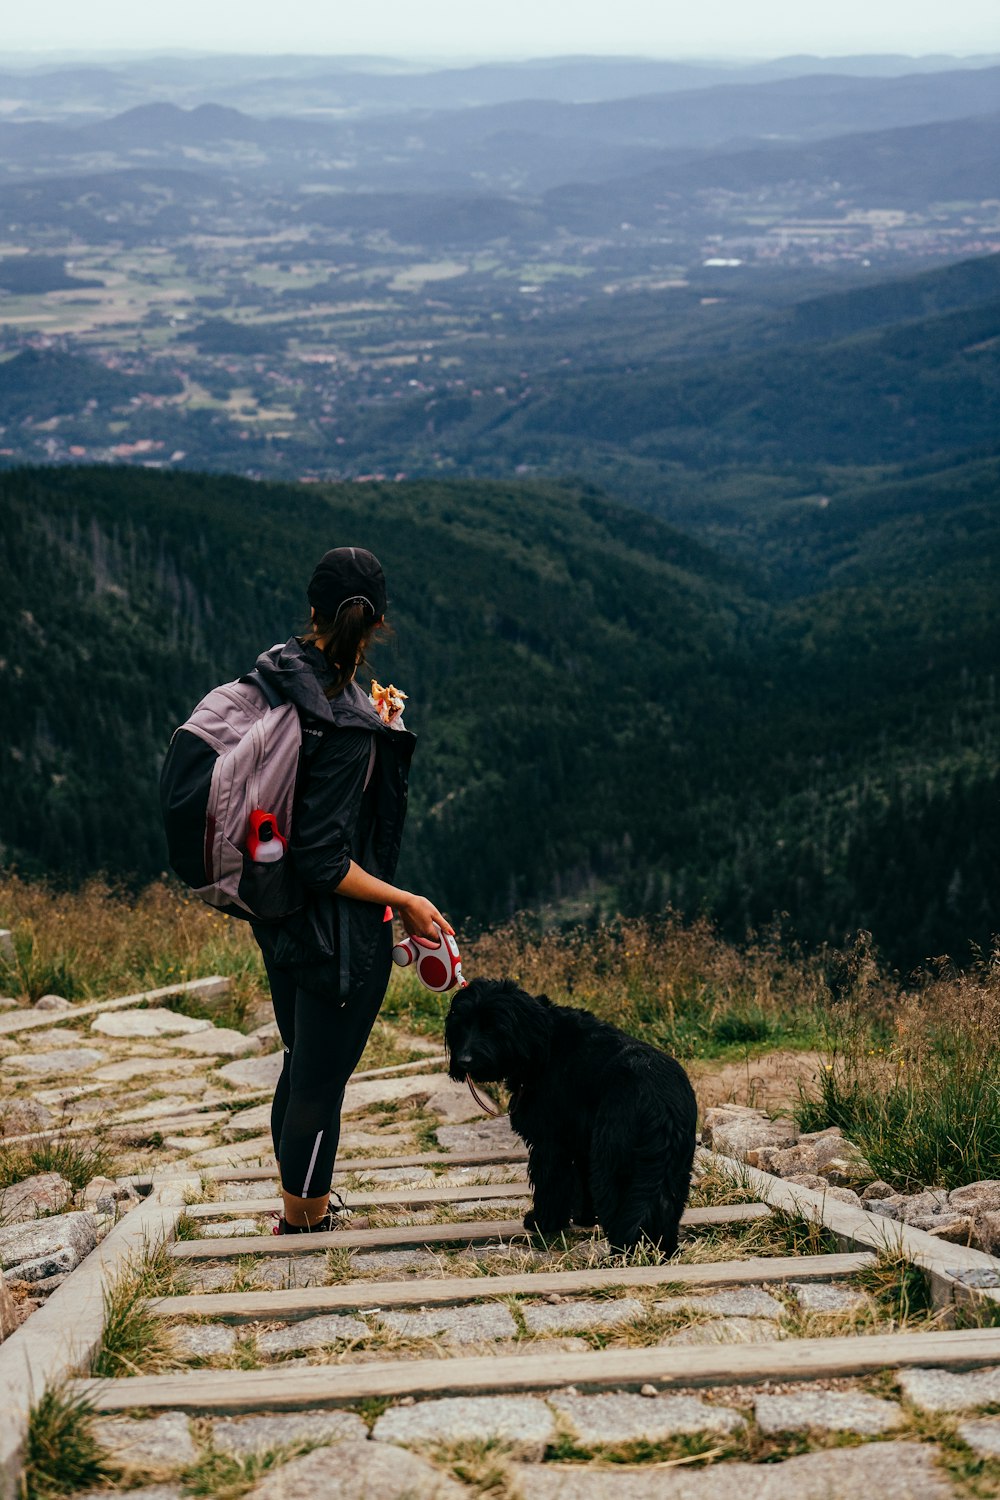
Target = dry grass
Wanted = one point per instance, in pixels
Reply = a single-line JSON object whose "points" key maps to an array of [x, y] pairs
{"points": [[101, 940], [676, 983]]}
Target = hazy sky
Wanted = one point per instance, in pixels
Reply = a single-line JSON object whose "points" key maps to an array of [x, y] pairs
{"points": [[471, 28]]}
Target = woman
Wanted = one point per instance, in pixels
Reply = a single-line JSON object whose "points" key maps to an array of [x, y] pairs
{"points": [[328, 963]]}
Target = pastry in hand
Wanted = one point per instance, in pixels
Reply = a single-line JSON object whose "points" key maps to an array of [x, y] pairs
{"points": [[388, 701]]}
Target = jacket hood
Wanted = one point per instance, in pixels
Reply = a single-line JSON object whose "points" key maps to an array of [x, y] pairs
{"points": [[300, 674]]}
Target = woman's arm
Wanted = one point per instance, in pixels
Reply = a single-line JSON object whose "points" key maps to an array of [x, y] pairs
{"points": [[419, 916]]}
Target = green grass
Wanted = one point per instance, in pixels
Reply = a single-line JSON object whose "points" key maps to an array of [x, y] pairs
{"points": [[78, 1161], [135, 1341], [935, 1122], [62, 1453]]}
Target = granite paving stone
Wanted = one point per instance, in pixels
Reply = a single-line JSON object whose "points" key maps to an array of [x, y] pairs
{"points": [[393, 1260], [203, 1340], [983, 1437], [457, 1325], [147, 1492], [230, 1228], [627, 1418], [61, 1060], [247, 1120], [312, 1333], [217, 1041], [147, 1443], [743, 1302], [555, 1317], [240, 1436], [358, 1471], [254, 1072], [727, 1331], [147, 1023], [144, 1067], [893, 1471], [523, 1421], [479, 1135], [823, 1297], [831, 1411], [403, 1176], [940, 1390]]}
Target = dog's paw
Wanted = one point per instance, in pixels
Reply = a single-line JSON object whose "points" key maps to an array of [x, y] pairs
{"points": [[529, 1220]]}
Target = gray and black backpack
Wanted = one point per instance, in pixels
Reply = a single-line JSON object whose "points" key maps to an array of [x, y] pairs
{"points": [[238, 753]]}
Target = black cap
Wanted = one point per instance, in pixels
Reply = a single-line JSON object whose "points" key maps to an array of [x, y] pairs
{"points": [[347, 575]]}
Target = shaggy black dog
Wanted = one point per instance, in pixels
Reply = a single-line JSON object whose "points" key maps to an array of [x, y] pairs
{"points": [[609, 1121]]}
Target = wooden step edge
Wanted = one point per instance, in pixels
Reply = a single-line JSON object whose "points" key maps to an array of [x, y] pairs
{"points": [[305, 1302], [65, 1332], [417, 1197], [413, 1235], [281, 1388], [944, 1262], [499, 1157]]}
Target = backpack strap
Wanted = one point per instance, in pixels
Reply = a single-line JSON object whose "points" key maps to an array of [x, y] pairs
{"points": [[258, 680]]}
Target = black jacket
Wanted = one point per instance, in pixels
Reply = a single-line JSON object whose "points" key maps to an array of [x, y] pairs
{"points": [[332, 941]]}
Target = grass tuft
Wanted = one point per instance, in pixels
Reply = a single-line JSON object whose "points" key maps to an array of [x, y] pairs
{"points": [[78, 1160], [62, 1453], [134, 1341]]}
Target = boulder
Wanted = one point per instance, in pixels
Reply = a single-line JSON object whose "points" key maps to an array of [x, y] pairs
{"points": [[47, 1247], [53, 1002], [976, 1197], [986, 1233], [7, 1002], [843, 1171], [957, 1230], [44, 1193], [103, 1194], [877, 1189], [807, 1180], [845, 1195], [737, 1134]]}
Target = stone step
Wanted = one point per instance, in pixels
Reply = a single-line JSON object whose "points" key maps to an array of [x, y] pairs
{"points": [[240, 1307], [295, 1387], [422, 1234]]}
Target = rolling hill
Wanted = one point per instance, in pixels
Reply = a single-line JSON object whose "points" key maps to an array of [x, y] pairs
{"points": [[608, 710]]}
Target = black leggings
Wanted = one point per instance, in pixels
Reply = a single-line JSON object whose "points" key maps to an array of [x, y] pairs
{"points": [[323, 1041]]}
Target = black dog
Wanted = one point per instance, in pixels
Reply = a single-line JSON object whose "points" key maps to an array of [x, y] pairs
{"points": [[609, 1121]]}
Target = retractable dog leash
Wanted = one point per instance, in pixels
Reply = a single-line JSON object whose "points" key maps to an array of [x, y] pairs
{"points": [[439, 968]]}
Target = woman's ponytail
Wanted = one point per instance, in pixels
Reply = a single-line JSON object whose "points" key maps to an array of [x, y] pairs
{"points": [[344, 639]]}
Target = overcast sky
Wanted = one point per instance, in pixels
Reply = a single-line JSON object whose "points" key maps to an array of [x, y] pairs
{"points": [[511, 28]]}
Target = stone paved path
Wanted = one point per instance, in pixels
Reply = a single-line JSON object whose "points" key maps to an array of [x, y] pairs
{"points": [[185, 1097]]}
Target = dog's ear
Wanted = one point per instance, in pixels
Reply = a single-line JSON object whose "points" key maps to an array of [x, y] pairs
{"points": [[534, 1025]]}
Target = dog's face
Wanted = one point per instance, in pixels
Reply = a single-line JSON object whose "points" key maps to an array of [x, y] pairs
{"points": [[494, 1031]]}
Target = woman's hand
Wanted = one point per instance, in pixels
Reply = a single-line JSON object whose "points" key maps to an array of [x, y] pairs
{"points": [[421, 918]]}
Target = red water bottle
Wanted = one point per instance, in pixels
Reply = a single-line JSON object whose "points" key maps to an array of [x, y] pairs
{"points": [[265, 845]]}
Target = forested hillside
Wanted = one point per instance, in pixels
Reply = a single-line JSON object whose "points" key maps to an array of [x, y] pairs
{"points": [[608, 710]]}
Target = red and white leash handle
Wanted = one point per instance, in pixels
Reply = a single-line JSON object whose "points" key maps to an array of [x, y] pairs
{"points": [[439, 967]]}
